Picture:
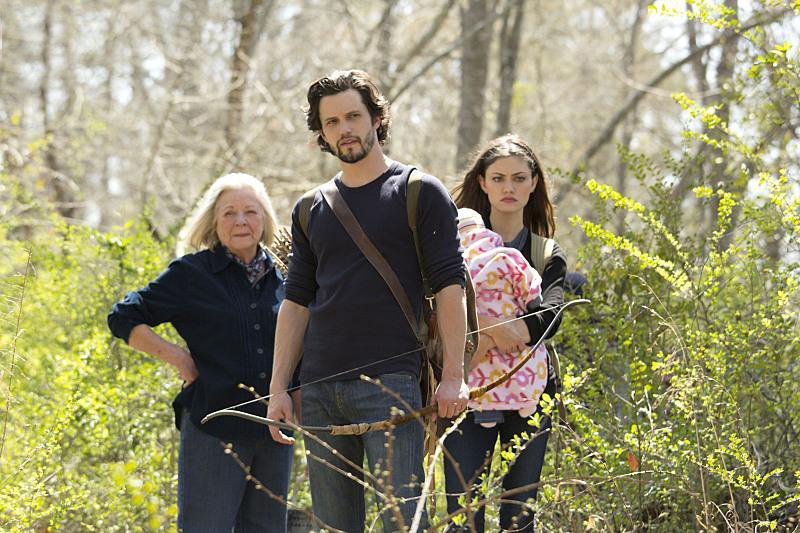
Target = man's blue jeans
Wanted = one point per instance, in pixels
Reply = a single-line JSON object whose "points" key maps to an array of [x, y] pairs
{"points": [[338, 500], [471, 444], [213, 494]]}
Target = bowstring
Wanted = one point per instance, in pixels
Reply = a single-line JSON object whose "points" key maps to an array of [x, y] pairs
{"points": [[260, 398]]}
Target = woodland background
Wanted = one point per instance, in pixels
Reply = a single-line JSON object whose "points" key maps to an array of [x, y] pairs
{"points": [[670, 134]]}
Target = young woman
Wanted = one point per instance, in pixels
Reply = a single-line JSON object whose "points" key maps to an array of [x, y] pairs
{"points": [[506, 184], [223, 302]]}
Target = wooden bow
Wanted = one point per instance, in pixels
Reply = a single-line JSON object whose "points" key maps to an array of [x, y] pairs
{"points": [[394, 421]]}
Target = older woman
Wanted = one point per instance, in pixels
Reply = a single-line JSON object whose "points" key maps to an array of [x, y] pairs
{"points": [[223, 301]]}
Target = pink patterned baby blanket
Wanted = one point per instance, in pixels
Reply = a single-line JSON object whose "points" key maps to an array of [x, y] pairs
{"points": [[504, 285]]}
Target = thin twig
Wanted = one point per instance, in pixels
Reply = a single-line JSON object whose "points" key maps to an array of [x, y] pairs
{"points": [[14, 348]]}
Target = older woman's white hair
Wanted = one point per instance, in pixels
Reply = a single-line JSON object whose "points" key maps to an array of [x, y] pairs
{"points": [[200, 232]]}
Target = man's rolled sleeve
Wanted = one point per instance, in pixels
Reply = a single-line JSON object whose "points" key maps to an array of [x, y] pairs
{"points": [[437, 227], [301, 282]]}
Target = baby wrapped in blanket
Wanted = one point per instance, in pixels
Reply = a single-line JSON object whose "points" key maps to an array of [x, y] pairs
{"points": [[505, 283]]}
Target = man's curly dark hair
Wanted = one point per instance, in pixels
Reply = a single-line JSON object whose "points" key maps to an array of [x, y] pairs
{"points": [[340, 81]]}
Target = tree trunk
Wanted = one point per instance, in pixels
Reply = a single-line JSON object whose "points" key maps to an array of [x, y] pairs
{"points": [[474, 67], [107, 105], [44, 86], [510, 37], [62, 195], [70, 67], [720, 171], [629, 126], [383, 50], [458, 43], [698, 65], [699, 69], [383, 47], [249, 33]]}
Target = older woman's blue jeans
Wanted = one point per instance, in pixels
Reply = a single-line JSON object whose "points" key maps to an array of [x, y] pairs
{"points": [[471, 444], [213, 493]]}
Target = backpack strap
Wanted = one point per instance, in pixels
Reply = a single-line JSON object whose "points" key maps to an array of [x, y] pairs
{"points": [[541, 251], [412, 200], [304, 211]]}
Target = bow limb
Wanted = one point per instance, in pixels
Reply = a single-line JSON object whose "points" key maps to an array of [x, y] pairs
{"points": [[264, 420], [348, 429]]}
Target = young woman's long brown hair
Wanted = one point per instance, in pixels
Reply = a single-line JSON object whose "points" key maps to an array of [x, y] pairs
{"points": [[539, 214]]}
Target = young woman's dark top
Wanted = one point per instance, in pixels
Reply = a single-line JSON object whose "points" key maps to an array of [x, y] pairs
{"points": [[552, 295], [555, 271]]}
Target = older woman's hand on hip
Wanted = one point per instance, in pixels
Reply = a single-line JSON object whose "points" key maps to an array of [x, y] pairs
{"points": [[184, 363], [146, 340]]}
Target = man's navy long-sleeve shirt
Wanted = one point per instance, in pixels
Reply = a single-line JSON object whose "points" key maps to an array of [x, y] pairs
{"points": [[355, 323]]}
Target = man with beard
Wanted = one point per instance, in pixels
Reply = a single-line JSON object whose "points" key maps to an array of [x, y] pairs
{"points": [[342, 316]]}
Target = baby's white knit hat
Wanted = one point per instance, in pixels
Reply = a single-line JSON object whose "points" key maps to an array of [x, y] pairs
{"points": [[469, 217]]}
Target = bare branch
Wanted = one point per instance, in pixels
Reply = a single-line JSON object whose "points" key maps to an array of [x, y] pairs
{"points": [[436, 24], [607, 133], [446, 52]]}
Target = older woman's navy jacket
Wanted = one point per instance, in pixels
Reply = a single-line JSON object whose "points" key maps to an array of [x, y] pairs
{"points": [[228, 326]]}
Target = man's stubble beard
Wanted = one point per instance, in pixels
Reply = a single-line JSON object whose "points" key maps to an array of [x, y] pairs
{"points": [[353, 156]]}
